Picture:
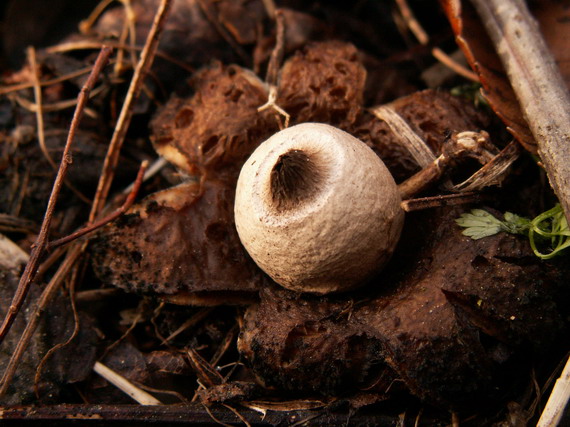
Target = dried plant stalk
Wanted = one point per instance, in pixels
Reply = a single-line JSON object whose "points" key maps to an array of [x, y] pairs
{"points": [[557, 401], [125, 385], [141, 70], [538, 84]]}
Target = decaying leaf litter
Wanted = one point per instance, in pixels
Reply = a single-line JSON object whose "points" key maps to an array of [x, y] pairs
{"points": [[451, 321]]}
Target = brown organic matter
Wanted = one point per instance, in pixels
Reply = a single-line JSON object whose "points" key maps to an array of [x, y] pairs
{"points": [[449, 326], [211, 134], [190, 229]]}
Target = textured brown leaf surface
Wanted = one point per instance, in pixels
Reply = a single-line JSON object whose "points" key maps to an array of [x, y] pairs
{"points": [[478, 49]]}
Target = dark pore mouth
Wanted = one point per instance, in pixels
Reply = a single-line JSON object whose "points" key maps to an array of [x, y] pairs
{"points": [[295, 178]]}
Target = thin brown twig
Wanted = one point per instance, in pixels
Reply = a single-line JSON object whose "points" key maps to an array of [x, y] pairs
{"points": [[420, 34], [76, 326], [56, 106], [128, 30], [87, 23], [94, 44], [77, 250], [206, 7], [439, 201], [21, 194], [39, 246], [46, 296], [270, 8], [125, 116], [49, 291], [107, 219]]}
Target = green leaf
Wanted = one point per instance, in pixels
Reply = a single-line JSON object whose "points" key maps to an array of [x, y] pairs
{"points": [[548, 226], [515, 224], [479, 223]]}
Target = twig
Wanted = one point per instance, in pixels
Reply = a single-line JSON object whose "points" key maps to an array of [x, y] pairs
{"points": [[418, 149], [56, 106], [440, 201], [51, 351], [212, 18], [270, 8], [12, 223], [87, 23], [196, 318], [94, 44], [107, 219], [141, 70], [272, 76], [418, 31], [151, 171], [536, 80], [39, 245], [125, 385], [63, 78], [45, 298], [32, 325], [39, 111], [557, 401]]}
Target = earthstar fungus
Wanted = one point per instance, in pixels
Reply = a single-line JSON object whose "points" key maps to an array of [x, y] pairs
{"points": [[317, 209]]}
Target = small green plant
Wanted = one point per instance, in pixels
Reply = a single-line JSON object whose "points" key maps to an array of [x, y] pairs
{"points": [[471, 92], [550, 225]]}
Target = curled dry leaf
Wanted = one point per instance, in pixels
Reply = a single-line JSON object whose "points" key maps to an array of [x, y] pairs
{"points": [[478, 49], [447, 327]]}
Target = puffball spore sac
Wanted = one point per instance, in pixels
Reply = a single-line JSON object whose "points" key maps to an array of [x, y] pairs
{"points": [[317, 210]]}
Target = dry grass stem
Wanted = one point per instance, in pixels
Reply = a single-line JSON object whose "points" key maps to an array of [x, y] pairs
{"points": [[95, 44], [38, 102], [125, 385], [552, 413]]}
